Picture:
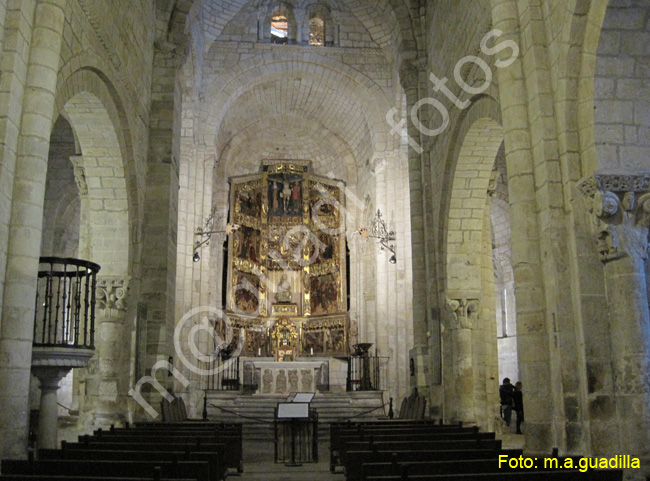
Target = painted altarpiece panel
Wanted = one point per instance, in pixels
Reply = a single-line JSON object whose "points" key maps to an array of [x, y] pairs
{"points": [[290, 247]]}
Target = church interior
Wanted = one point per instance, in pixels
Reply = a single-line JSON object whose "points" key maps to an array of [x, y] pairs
{"points": [[203, 199]]}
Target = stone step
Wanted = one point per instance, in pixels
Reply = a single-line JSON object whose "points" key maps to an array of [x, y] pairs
{"points": [[256, 411]]}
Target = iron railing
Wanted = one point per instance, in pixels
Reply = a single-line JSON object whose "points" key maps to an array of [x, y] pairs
{"points": [[65, 303], [366, 373], [224, 374]]}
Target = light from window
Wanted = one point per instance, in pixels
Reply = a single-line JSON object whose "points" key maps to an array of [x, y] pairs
{"points": [[279, 29], [316, 31]]}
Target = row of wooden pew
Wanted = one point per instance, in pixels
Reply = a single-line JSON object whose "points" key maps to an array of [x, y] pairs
{"points": [[422, 450], [197, 451]]}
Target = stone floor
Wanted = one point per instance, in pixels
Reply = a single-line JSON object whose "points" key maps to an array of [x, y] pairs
{"points": [[259, 465]]}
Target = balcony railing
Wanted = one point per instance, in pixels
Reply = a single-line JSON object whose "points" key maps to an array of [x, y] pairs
{"points": [[65, 303]]}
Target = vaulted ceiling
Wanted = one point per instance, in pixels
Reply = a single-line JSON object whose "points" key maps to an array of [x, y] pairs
{"points": [[301, 107]]}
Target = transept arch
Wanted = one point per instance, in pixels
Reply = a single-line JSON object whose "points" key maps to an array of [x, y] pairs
{"points": [[104, 170]]}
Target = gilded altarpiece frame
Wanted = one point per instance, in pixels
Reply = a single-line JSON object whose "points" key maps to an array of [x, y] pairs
{"points": [[289, 256]]}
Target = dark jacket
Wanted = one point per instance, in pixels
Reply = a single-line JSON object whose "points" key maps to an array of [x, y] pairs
{"points": [[506, 392]]}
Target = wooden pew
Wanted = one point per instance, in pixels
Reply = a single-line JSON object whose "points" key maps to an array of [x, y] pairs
{"points": [[188, 423], [29, 477], [214, 448], [345, 439], [357, 460], [196, 470], [417, 436], [568, 475], [390, 447], [230, 428], [439, 467], [337, 430], [215, 460], [232, 444]]}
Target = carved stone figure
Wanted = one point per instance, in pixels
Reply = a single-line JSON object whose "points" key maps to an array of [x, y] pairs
{"points": [[281, 382], [293, 380], [307, 379], [267, 381]]}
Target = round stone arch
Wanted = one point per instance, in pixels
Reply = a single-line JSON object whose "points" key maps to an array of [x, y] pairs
{"points": [[468, 194], [88, 103], [480, 124], [265, 15], [586, 24], [318, 9], [91, 105], [471, 355], [231, 85]]}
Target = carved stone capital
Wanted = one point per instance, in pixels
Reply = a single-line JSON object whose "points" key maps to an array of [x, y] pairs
{"points": [[620, 204], [464, 313], [79, 174], [111, 292]]}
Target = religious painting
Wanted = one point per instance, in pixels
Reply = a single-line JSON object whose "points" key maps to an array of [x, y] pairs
{"points": [[285, 195], [324, 294], [249, 244], [335, 340], [312, 342], [322, 202], [286, 245], [246, 295], [249, 202], [256, 343], [323, 248]]}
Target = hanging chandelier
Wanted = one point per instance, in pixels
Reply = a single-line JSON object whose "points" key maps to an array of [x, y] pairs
{"points": [[380, 232], [207, 231]]}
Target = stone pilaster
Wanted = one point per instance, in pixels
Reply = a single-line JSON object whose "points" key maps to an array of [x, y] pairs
{"points": [[620, 205]]}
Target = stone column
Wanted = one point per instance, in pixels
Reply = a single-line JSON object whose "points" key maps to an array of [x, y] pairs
{"points": [[49, 378], [108, 372], [302, 26], [621, 208], [463, 323], [25, 227], [425, 355]]}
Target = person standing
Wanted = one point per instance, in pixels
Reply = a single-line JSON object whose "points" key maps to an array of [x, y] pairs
{"points": [[506, 391], [518, 405]]}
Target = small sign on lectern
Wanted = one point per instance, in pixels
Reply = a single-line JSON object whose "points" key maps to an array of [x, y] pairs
{"points": [[293, 410], [302, 397]]}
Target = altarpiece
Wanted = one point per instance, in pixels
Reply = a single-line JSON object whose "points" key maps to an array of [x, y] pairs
{"points": [[286, 278]]}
